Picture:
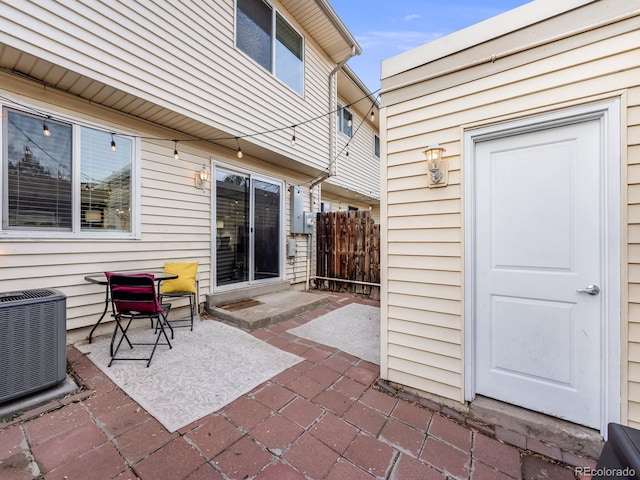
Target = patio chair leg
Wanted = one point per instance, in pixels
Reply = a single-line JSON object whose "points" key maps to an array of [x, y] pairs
{"points": [[155, 345], [165, 332], [113, 337], [192, 308], [123, 337]]}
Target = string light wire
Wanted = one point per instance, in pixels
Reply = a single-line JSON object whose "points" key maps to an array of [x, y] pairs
{"points": [[326, 173], [371, 96]]}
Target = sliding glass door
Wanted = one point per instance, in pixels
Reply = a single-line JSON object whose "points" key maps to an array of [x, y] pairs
{"points": [[248, 212]]}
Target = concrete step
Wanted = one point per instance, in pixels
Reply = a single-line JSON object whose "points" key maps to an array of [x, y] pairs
{"points": [[271, 308], [552, 431]]}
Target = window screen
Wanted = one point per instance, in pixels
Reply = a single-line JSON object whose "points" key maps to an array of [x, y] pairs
{"points": [[254, 34], [281, 54], [39, 174], [106, 182], [288, 55]]}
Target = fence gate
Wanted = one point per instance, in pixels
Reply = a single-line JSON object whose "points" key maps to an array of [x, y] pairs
{"points": [[348, 253]]}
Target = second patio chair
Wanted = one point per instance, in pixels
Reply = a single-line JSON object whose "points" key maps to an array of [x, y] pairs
{"points": [[133, 297], [185, 286]]}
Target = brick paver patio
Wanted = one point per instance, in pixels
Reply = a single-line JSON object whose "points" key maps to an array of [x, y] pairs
{"points": [[324, 418]]}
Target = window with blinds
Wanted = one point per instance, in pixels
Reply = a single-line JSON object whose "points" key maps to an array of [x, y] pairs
{"points": [[253, 30], [69, 181], [281, 54], [39, 172]]}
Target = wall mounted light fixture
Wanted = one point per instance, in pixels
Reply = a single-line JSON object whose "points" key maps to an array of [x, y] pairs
{"points": [[202, 177], [438, 172]]}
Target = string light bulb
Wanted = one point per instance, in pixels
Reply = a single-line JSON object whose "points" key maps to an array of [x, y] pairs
{"points": [[373, 115], [175, 150], [48, 132], [347, 154], [239, 154]]}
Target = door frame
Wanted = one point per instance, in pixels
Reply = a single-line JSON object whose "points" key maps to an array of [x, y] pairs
{"points": [[608, 113], [215, 166]]}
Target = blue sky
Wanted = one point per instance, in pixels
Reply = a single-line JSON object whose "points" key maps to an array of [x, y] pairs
{"points": [[385, 28]]}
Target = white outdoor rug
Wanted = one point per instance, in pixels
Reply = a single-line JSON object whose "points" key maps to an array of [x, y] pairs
{"points": [[354, 329], [206, 369]]}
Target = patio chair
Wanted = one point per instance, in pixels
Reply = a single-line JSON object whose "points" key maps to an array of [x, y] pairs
{"points": [[133, 297], [185, 286]]}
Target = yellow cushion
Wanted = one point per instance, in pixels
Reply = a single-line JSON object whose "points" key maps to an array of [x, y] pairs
{"points": [[186, 281]]}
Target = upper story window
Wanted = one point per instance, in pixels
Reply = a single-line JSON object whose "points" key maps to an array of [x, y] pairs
{"points": [[376, 146], [345, 121], [67, 183], [280, 53]]}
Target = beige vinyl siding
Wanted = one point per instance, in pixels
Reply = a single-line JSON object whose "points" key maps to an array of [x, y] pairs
{"points": [[175, 216], [633, 238], [424, 226], [179, 55], [359, 173]]}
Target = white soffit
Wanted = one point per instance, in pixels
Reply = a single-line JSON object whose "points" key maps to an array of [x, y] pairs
{"points": [[478, 33]]}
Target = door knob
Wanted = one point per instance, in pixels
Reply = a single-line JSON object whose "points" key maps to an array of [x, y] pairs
{"points": [[590, 289]]}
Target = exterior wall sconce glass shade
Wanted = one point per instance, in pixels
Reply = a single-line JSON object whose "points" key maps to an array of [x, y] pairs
{"points": [[438, 172], [202, 177]]}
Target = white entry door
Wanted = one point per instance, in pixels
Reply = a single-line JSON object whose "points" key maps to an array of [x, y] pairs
{"points": [[539, 231]]}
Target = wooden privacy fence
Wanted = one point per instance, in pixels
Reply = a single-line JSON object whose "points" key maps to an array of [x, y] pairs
{"points": [[348, 253]]}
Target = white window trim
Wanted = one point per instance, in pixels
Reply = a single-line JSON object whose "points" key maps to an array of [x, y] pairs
{"points": [[76, 232], [341, 109], [377, 156], [273, 72]]}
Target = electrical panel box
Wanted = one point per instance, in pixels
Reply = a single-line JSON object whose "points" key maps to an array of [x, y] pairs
{"points": [[297, 210], [309, 222], [291, 247]]}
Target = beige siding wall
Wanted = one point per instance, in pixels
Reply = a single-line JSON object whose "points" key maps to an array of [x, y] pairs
{"points": [[422, 304], [175, 216], [633, 238], [180, 55], [356, 181], [360, 173]]}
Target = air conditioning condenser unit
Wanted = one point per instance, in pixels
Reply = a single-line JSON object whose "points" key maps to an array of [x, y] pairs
{"points": [[33, 352]]}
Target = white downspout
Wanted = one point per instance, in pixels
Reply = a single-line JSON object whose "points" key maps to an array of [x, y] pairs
{"points": [[333, 93]]}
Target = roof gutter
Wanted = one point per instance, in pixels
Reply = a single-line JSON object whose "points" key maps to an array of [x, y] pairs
{"points": [[344, 32]]}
